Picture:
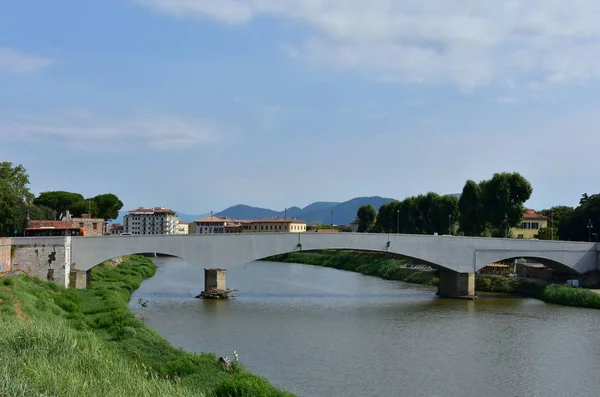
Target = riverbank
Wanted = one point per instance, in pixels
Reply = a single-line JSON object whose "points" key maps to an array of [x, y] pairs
{"points": [[391, 267], [58, 341]]}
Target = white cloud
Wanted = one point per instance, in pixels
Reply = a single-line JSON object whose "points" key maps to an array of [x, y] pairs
{"points": [[81, 128], [14, 61], [470, 43]]}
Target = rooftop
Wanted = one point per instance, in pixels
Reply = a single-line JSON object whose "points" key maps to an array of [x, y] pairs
{"points": [[531, 214], [278, 220], [147, 210]]}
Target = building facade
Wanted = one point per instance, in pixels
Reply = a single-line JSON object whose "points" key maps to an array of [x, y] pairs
{"points": [[156, 220], [276, 225], [530, 225], [93, 226], [216, 225], [115, 229], [184, 227]]}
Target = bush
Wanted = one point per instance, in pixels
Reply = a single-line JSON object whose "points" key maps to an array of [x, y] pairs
{"points": [[247, 385]]}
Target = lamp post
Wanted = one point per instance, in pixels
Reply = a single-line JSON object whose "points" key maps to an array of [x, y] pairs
{"points": [[552, 228], [450, 224], [596, 235], [590, 226], [332, 219], [397, 221]]}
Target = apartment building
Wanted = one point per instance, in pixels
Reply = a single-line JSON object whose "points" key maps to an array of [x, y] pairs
{"points": [[156, 220], [276, 225]]}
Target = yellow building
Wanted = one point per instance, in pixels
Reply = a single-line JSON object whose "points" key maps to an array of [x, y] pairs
{"points": [[531, 225], [276, 225]]}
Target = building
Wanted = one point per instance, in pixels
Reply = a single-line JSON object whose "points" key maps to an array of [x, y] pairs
{"points": [[92, 226], [531, 225], [276, 225], [215, 225], [157, 220], [185, 227], [115, 229]]}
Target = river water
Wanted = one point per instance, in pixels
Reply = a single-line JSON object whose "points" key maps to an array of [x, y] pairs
{"points": [[324, 332]]}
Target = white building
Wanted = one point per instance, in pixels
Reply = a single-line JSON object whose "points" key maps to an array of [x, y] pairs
{"points": [[155, 220], [184, 227]]}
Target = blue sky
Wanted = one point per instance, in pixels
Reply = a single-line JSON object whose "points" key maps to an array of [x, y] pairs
{"points": [[197, 105]]}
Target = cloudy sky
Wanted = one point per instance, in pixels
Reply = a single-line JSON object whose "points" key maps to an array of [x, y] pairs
{"points": [[197, 105]]}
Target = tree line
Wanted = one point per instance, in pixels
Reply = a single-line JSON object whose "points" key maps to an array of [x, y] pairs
{"points": [[489, 208], [17, 203]]}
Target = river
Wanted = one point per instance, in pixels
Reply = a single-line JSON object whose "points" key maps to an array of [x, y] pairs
{"points": [[325, 332]]}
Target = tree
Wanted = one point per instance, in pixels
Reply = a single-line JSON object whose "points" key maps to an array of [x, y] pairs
{"points": [[469, 206], [59, 201], [547, 233], [503, 197], [574, 227], [14, 191], [366, 217], [79, 208], [108, 206]]}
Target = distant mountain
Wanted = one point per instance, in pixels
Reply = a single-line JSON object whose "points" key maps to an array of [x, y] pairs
{"points": [[318, 212]]}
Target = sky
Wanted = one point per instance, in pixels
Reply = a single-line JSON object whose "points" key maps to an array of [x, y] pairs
{"points": [[197, 105]]}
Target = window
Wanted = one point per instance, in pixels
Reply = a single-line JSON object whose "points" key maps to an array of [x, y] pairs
{"points": [[80, 224], [94, 226], [535, 225]]}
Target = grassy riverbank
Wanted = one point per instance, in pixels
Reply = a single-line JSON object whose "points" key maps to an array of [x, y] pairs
{"points": [[391, 267], [58, 341]]}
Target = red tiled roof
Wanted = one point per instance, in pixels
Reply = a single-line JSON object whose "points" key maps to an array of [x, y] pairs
{"points": [[214, 218], [530, 214]]}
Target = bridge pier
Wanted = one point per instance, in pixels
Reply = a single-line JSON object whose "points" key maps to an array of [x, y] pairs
{"points": [[456, 285], [80, 279], [214, 285]]}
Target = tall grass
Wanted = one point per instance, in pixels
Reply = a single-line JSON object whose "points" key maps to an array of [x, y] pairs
{"points": [[63, 342], [569, 296]]}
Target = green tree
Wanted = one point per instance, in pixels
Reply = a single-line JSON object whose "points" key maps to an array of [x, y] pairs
{"points": [[503, 197], [575, 226], [59, 201], [547, 233], [88, 206], [108, 206], [14, 191], [366, 217], [471, 212]]}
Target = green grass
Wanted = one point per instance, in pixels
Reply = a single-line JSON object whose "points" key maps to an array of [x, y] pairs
{"points": [[569, 296], [63, 342]]}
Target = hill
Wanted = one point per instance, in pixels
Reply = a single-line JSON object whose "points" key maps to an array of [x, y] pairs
{"points": [[317, 212]]}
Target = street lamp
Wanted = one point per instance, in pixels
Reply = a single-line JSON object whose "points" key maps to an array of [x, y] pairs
{"points": [[332, 219], [398, 221], [450, 224], [552, 228], [590, 227]]}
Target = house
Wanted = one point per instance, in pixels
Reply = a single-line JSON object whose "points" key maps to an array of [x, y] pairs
{"points": [[184, 227], [116, 229], [215, 224], [156, 220], [530, 225], [92, 226]]}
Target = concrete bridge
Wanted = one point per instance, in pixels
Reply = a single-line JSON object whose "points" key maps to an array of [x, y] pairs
{"points": [[457, 257]]}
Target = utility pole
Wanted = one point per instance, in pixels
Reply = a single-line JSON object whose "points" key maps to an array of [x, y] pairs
{"points": [[450, 224], [590, 226], [332, 219], [397, 221]]}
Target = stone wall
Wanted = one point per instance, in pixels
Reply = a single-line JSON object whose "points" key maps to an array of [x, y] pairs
{"points": [[5, 259], [44, 258]]}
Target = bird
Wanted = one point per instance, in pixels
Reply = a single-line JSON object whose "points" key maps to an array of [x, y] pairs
{"points": [[142, 303], [235, 355]]}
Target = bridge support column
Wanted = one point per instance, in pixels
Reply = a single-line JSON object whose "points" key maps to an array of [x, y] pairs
{"points": [[214, 285], [456, 285], [80, 279]]}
